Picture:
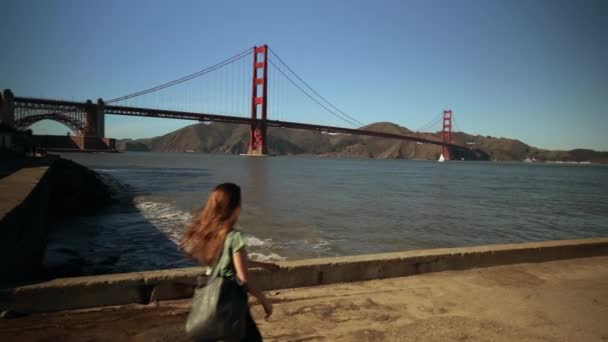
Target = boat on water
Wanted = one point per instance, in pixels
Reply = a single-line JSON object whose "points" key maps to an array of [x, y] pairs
{"points": [[441, 158]]}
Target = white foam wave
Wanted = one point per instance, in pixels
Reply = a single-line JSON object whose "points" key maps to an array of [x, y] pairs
{"points": [[257, 242], [321, 244], [165, 217], [171, 221], [266, 257]]}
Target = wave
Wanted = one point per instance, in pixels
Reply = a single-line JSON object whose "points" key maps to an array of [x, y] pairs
{"points": [[264, 244], [322, 245], [257, 242], [266, 257], [165, 217], [170, 221]]}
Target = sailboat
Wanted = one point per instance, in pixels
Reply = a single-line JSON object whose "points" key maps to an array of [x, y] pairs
{"points": [[441, 158]]}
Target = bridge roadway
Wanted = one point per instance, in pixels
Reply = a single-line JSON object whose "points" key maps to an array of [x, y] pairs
{"points": [[70, 106], [564, 300]]}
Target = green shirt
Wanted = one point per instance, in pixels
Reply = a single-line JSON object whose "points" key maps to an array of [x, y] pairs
{"points": [[233, 243]]}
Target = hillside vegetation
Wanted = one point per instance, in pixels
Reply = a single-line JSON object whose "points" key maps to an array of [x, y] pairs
{"points": [[230, 138]]}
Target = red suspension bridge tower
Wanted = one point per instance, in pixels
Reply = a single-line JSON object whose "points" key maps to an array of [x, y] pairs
{"points": [[446, 133], [257, 131]]}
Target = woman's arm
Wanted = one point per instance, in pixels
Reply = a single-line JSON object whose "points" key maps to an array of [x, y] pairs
{"points": [[240, 265], [266, 265]]}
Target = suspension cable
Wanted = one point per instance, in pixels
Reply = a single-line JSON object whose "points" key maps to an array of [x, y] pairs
{"points": [[310, 96], [216, 66], [430, 124], [314, 91], [456, 126]]}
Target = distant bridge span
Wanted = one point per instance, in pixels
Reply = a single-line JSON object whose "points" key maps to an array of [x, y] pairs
{"points": [[54, 108], [88, 118]]}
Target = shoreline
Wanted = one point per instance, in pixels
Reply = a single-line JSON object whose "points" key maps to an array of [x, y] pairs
{"points": [[163, 285], [338, 156]]}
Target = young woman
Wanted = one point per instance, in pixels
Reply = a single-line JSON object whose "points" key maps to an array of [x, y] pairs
{"points": [[211, 230]]}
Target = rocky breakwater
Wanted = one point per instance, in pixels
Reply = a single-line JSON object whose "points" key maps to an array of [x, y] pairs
{"points": [[32, 198]]}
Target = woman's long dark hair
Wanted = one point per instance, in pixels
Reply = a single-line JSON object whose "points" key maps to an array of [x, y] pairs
{"points": [[205, 235]]}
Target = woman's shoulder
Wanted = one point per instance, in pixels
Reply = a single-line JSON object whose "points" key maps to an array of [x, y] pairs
{"points": [[235, 233], [236, 239]]}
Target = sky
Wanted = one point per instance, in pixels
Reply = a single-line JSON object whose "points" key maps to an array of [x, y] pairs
{"points": [[536, 71]]}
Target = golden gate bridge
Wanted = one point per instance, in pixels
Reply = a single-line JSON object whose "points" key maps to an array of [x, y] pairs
{"points": [[238, 96]]}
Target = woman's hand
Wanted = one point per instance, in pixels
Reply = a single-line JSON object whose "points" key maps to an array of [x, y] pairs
{"points": [[240, 264], [267, 307]]}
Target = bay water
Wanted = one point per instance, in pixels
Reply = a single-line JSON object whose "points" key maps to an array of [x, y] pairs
{"points": [[306, 207]]}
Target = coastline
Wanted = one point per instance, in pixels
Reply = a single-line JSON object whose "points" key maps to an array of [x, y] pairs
{"points": [[163, 285], [38, 192]]}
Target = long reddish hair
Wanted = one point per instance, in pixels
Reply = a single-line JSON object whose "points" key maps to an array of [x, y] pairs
{"points": [[204, 236]]}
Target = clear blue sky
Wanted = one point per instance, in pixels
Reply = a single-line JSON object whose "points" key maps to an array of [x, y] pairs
{"points": [[531, 70]]}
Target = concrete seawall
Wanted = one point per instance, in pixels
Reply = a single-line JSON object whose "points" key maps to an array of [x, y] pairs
{"points": [[23, 228], [33, 192], [144, 287]]}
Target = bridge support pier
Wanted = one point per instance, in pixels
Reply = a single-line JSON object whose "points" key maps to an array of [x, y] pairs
{"points": [[446, 134], [7, 107], [95, 119], [101, 119], [257, 131]]}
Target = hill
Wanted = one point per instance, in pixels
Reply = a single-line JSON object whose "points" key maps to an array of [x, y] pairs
{"points": [[229, 138]]}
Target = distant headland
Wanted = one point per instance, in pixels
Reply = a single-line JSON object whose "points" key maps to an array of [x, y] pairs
{"points": [[232, 139]]}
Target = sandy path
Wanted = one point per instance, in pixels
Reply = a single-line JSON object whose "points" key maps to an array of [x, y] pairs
{"points": [[553, 301]]}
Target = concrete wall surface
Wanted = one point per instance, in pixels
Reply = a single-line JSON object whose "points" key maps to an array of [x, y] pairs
{"points": [[24, 198], [33, 192], [143, 287]]}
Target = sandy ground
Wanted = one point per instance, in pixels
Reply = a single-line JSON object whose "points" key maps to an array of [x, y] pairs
{"points": [[552, 301]]}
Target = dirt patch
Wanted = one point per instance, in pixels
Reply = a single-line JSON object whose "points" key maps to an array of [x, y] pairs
{"points": [[456, 328], [510, 277]]}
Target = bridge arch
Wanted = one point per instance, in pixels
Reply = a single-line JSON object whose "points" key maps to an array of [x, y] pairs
{"points": [[77, 126]]}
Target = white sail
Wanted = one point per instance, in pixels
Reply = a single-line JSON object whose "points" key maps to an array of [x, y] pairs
{"points": [[441, 158]]}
